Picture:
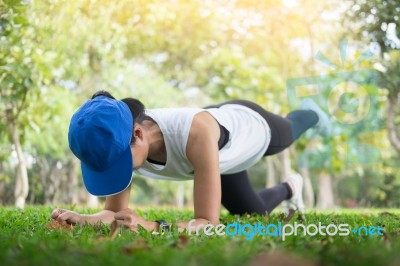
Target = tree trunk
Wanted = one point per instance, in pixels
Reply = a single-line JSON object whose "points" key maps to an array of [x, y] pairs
{"points": [[325, 191], [72, 179], [54, 180], [180, 195], [50, 178], [394, 138], [271, 177], [92, 201], [308, 193], [285, 164], [21, 177]]}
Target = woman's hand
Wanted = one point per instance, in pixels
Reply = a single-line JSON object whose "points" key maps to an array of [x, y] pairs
{"points": [[131, 220], [66, 216]]}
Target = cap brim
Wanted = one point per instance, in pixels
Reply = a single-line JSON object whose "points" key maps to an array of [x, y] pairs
{"points": [[111, 181]]}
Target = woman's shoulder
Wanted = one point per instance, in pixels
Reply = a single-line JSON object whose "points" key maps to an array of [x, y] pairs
{"points": [[173, 119], [181, 111], [174, 109]]}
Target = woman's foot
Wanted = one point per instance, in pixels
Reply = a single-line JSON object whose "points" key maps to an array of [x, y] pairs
{"points": [[295, 182], [324, 125]]}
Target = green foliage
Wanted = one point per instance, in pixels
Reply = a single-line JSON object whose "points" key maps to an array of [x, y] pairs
{"points": [[25, 239], [377, 21], [16, 62], [390, 78], [372, 21], [55, 54]]}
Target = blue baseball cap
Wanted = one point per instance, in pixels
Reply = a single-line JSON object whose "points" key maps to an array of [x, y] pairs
{"points": [[99, 135]]}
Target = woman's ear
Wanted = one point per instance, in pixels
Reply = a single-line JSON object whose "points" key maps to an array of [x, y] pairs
{"points": [[138, 132]]}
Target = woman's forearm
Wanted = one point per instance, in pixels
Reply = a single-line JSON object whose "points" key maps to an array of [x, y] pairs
{"points": [[104, 216], [192, 225]]}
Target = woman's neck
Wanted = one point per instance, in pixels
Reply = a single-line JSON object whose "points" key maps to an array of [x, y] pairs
{"points": [[157, 149]]}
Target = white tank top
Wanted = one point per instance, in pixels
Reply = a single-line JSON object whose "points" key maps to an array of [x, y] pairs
{"points": [[249, 137]]}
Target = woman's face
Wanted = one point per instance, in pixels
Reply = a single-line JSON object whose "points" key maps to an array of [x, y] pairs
{"points": [[138, 156], [140, 149]]}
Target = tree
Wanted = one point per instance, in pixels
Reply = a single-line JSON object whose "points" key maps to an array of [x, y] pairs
{"points": [[390, 79], [16, 82], [377, 21]]}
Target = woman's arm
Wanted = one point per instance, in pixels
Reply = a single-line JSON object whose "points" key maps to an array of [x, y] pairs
{"points": [[202, 151], [113, 205], [203, 154]]}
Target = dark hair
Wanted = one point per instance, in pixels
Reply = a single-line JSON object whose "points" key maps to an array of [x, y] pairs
{"points": [[102, 93], [137, 108]]}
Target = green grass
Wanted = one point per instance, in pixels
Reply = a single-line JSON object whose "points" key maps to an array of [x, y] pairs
{"points": [[25, 240]]}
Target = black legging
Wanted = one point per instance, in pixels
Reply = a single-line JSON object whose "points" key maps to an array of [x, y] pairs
{"points": [[238, 196]]}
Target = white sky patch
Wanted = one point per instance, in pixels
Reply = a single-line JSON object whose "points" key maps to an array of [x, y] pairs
{"points": [[290, 3], [391, 34]]}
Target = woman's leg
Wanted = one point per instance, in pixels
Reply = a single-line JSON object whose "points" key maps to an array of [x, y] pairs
{"points": [[284, 130], [239, 197]]}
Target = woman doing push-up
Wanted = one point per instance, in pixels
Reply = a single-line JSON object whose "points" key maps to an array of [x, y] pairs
{"points": [[214, 146]]}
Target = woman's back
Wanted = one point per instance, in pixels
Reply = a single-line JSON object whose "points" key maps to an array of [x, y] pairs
{"points": [[249, 137]]}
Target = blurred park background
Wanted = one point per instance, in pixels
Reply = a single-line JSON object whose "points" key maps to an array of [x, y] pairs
{"points": [[168, 53]]}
